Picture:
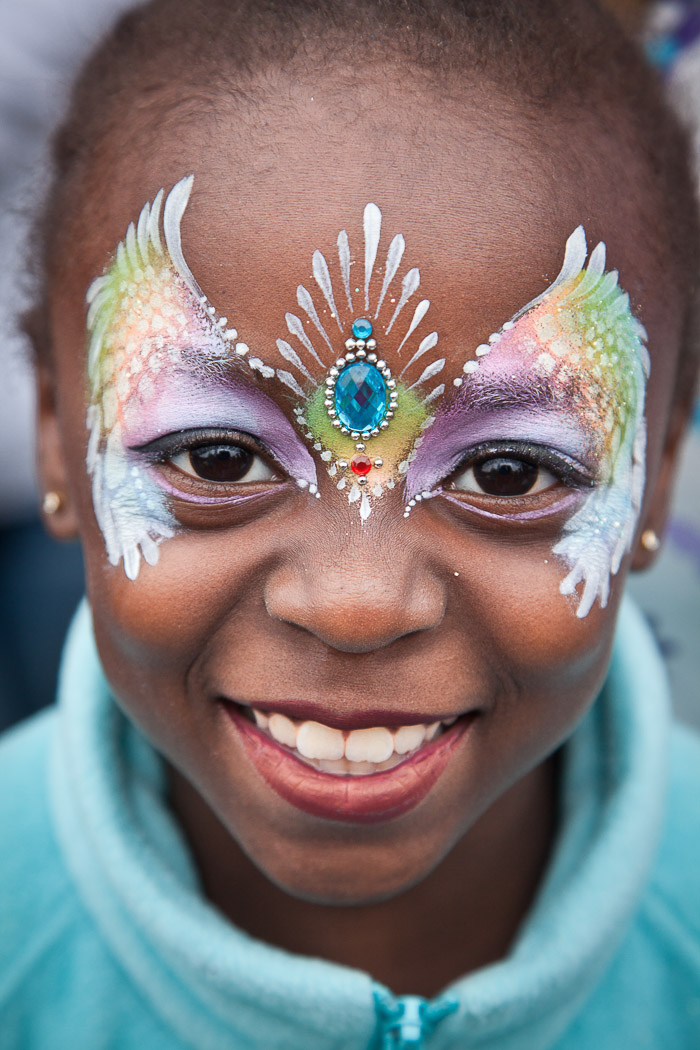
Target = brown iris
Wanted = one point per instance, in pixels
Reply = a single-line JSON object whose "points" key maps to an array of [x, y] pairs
{"points": [[501, 476], [223, 463]]}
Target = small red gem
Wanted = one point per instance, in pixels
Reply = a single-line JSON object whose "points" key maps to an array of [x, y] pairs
{"points": [[361, 465]]}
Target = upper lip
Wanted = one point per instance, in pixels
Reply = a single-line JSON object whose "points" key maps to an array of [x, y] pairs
{"points": [[307, 711]]}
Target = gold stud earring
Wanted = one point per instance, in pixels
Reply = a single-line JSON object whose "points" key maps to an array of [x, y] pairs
{"points": [[650, 541], [52, 502]]}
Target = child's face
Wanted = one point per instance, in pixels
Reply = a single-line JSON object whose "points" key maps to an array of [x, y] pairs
{"points": [[262, 595]]}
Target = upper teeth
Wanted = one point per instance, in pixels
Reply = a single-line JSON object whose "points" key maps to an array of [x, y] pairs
{"points": [[316, 741]]}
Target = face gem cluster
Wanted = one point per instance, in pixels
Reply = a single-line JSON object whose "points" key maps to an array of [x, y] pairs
{"points": [[365, 423]]}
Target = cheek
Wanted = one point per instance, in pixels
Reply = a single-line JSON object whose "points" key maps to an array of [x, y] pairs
{"points": [[154, 634], [541, 659]]}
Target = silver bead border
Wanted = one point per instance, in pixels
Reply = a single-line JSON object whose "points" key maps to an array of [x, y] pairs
{"points": [[357, 350]]}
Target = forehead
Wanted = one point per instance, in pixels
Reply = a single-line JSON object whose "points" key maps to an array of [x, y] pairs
{"points": [[484, 194]]}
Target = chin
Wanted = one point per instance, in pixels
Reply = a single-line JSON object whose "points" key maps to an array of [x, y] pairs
{"points": [[347, 874]]}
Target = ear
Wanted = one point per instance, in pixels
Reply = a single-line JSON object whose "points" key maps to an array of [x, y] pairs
{"points": [[59, 515], [658, 510]]}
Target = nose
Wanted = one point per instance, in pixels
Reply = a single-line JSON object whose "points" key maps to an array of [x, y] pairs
{"points": [[359, 596]]}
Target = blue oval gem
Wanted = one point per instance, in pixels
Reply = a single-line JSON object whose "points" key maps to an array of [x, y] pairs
{"points": [[362, 328], [360, 396]]}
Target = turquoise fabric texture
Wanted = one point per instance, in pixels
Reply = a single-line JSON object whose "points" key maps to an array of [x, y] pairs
{"points": [[107, 942]]}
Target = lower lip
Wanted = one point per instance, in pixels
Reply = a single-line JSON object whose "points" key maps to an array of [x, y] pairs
{"points": [[368, 799]]}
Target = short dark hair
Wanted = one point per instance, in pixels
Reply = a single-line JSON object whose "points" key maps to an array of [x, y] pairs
{"points": [[551, 54]]}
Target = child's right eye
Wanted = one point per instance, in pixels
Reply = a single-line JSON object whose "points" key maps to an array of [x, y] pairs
{"points": [[212, 457], [224, 463]]}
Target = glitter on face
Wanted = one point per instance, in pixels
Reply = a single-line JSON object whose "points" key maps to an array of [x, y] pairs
{"points": [[159, 360], [569, 370]]}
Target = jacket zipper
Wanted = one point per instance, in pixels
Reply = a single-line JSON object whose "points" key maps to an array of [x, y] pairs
{"points": [[406, 1021]]}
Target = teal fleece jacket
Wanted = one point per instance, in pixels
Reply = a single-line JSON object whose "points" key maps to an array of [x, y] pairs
{"points": [[106, 942]]}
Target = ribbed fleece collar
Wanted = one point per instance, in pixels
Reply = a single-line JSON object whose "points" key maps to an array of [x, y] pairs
{"points": [[219, 989]]}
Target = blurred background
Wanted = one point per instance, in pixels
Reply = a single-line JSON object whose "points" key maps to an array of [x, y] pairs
{"points": [[42, 44]]}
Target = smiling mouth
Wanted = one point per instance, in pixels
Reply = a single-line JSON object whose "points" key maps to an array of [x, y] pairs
{"points": [[355, 752], [362, 773]]}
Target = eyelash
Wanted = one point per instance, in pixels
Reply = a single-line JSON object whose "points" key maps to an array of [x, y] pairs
{"points": [[164, 450], [566, 470]]}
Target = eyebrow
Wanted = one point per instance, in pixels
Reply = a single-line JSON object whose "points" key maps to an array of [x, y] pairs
{"points": [[514, 390]]}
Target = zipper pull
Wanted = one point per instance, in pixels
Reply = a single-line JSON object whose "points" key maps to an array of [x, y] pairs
{"points": [[407, 1021]]}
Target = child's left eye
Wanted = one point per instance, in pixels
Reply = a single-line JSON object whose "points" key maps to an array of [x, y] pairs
{"points": [[506, 470], [223, 463], [504, 476]]}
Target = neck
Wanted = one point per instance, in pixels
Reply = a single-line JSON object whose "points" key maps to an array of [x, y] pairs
{"points": [[461, 917]]}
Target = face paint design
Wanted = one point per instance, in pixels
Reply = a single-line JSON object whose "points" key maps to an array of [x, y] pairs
{"points": [[160, 361], [567, 372], [365, 423], [564, 378]]}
